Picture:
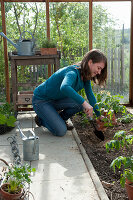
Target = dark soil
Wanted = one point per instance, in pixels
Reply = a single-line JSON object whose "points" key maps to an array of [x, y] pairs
{"points": [[5, 128], [100, 159]]}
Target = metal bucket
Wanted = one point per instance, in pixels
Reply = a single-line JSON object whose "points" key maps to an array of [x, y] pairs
{"points": [[30, 146]]}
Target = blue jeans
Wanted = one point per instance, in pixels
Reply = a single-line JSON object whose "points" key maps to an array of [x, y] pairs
{"points": [[54, 121]]}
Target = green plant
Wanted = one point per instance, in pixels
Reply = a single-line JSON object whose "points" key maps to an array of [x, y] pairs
{"points": [[17, 176], [122, 141], [7, 115], [82, 93], [108, 102], [126, 118], [111, 104], [48, 44], [108, 118]]}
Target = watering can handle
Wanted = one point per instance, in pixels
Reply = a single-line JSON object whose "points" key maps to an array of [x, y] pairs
{"points": [[20, 39], [32, 132], [21, 133]]}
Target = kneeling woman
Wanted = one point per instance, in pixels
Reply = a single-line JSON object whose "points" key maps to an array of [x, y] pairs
{"points": [[57, 99]]}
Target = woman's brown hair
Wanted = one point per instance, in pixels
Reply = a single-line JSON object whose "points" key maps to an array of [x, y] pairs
{"points": [[96, 56]]}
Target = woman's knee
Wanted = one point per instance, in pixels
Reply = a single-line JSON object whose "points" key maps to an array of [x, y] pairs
{"points": [[60, 132]]}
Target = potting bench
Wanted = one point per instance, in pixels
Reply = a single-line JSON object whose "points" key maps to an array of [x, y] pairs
{"points": [[37, 59]]}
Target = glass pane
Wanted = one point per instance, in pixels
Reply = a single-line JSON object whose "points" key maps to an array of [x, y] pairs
{"points": [[21, 17], [70, 28], [111, 34]]}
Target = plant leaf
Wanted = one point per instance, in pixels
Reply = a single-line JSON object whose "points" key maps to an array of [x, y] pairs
{"points": [[2, 119], [10, 121]]}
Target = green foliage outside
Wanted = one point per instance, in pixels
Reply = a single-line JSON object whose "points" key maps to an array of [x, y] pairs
{"points": [[103, 28], [70, 28]]}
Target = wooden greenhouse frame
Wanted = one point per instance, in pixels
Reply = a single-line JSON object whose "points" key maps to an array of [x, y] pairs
{"points": [[48, 35]]}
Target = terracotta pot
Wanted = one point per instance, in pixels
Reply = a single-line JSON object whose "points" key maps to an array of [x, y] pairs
{"points": [[48, 51], [129, 189], [100, 125], [105, 112], [8, 196]]}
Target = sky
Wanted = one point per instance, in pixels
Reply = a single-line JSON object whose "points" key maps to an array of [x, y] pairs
{"points": [[119, 10]]}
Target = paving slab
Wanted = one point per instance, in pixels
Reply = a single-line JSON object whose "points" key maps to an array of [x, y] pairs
{"points": [[130, 109], [72, 189], [61, 171]]}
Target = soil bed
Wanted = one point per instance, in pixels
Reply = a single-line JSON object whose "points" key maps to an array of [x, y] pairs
{"points": [[100, 159]]}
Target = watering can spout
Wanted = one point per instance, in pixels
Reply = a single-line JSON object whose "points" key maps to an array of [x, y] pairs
{"points": [[24, 47], [3, 35]]}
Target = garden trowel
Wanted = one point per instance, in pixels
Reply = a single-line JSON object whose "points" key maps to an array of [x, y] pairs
{"points": [[98, 133]]}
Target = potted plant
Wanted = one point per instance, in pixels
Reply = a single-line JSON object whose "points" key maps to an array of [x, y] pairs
{"points": [[48, 47], [7, 118], [123, 141], [15, 180]]}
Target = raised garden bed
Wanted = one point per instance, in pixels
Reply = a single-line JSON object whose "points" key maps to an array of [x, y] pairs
{"points": [[100, 159]]}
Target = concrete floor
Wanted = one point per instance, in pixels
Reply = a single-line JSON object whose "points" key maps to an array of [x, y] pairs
{"points": [[63, 171]]}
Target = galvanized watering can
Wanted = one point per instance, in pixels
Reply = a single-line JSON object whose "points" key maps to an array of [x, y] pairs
{"points": [[30, 145], [24, 47]]}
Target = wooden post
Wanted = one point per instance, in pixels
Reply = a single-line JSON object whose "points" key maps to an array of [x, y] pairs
{"points": [[5, 53], [112, 69], [119, 63], [115, 71], [109, 71], [48, 31], [131, 59], [90, 25], [122, 67], [47, 19]]}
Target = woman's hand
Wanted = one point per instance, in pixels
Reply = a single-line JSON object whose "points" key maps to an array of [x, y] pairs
{"points": [[88, 109]]}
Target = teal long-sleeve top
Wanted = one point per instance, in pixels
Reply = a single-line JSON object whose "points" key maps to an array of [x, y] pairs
{"points": [[66, 82]]}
